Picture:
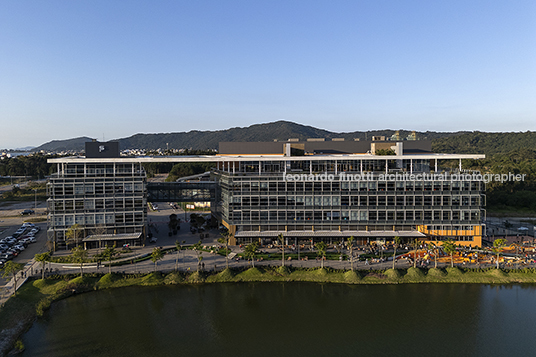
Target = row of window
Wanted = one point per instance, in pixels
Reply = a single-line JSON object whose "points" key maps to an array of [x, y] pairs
{"points": [[97, 188], [129, 218], [118, 169], [354, 215], [325, 165], [128, 203], [361, 200], [334, 186]]}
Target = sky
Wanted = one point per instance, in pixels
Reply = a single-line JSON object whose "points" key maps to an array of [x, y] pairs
{"points": [[111, 69]]}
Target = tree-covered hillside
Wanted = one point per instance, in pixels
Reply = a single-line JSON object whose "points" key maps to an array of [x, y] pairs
{"points": [[202, 140], [484, 143]]}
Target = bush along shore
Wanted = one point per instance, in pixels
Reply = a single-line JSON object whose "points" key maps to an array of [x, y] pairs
{"points": [[35, 297]]}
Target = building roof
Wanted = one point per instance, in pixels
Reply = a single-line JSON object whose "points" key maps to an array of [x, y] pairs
{"points": [[231, 158]]}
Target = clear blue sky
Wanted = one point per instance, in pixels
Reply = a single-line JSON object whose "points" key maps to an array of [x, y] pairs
{"points": [[117, 68]]}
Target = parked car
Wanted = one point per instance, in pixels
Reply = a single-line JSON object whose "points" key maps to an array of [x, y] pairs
{"points": [[19, 247], [28, 240], [7, 255]]}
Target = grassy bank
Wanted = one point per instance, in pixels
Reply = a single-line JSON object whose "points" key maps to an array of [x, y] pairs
{"points": [[36, 296]]}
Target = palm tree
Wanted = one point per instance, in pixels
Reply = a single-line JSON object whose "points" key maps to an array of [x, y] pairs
{"points": [[42, 258], [79, 255], [415, 247], [450, 248], [12, 268], [396, 244], [178, 247], [108, 254], [497, 245], [434, 248], [321, 247], [225, 240], [350, 246], [282, 240], [250, 251], [156, 255], [197, 247]]}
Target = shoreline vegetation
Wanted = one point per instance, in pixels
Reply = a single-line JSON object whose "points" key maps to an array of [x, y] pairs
{"points": [[36, 296]]}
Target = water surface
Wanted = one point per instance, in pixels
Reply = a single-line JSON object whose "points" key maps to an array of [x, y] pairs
{"points": [[291, 319]]}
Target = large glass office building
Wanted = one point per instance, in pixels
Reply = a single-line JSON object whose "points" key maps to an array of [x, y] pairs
{"points": [[306, 190]]}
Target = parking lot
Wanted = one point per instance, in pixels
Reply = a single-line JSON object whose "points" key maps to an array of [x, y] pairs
{"points": [[9, 226]]}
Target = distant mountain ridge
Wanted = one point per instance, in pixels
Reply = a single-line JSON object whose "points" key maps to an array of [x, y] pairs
{"points": [[448, 142], [75, 144], [200, 140]]}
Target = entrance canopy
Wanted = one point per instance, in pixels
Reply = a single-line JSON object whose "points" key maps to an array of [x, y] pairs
{"points": [[112, 237]]}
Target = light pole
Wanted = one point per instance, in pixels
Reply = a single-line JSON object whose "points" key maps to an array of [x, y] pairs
{"points": [[35, 192]]}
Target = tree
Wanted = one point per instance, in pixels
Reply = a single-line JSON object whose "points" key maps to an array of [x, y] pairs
{"points": [[42, 258], [338, 247], [178, 247], [99, 230], [321, 247], [250, 251], [73, 233], [282, 240], [449, 248], [434, 248], [79, 255], [350, 246], [173, 223], [11, 269], [415, 244], [225, 236], [108, 254], [497, 247], [156, 255], [197, 247], [396, 244]]}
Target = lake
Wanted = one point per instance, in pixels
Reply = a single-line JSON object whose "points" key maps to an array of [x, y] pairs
{"points": [[291, 319]]}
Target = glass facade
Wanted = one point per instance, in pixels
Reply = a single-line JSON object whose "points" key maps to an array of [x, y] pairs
{"points": [[99, 198], [346, 195]]}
